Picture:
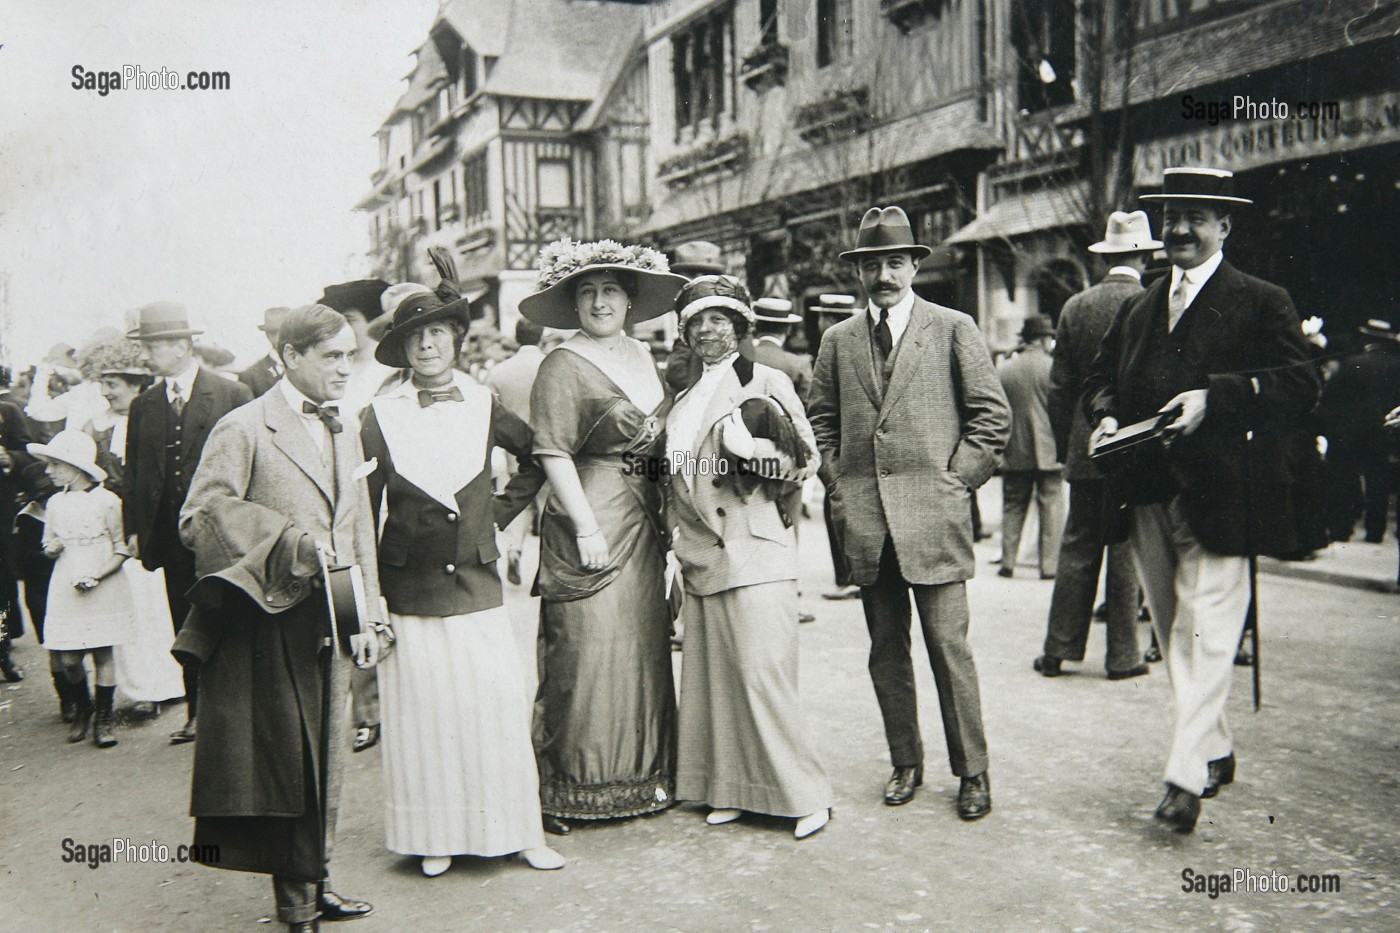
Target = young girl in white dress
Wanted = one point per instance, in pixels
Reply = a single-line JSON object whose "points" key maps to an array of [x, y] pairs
{"points": [[90, 605]]}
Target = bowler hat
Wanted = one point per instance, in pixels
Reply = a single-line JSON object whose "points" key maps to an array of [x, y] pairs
{"points": [[1037, 326], [1126, 233], [272, 320], [1193, 183], [415, 311], [161, 320], [362, 295], [775, 311], [885, 230], [698, 257]]}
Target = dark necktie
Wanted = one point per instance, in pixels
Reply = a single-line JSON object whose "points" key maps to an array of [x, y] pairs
{"points": [[884, 338], [327, 414], [177, 405], [452, 394]]}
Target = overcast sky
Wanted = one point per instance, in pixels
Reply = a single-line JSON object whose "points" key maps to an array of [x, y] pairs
{"points": [[228, 201]]}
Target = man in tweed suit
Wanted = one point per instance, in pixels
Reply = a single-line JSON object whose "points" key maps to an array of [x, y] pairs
{"points": [[910, 419], [1083, 322]]}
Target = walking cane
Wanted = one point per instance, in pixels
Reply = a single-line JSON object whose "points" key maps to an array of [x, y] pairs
{"points": [[1251, 621], [328, 660]]}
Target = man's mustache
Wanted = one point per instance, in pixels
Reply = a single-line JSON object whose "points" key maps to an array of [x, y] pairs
{"points": [[1181, 241]]}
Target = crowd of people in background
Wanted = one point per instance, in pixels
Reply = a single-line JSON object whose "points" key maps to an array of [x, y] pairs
{"points": [[154, 498]]}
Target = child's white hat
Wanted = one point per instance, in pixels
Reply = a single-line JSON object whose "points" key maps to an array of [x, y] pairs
{"points": [[74, 448]]}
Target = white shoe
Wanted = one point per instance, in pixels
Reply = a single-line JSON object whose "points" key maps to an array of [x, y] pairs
{"points": [[542, 858], [812, 824], [720, 817], [434, 865]]}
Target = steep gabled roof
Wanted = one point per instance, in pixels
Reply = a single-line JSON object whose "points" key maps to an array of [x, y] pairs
{"points": [[482, 23], [564, 49]]}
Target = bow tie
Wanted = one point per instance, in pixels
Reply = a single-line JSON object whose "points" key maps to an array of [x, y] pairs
{"points": [[426, 397], [327, 414]]}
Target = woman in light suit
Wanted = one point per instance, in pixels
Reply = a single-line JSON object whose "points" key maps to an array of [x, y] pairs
{"points": [[738, 442]]}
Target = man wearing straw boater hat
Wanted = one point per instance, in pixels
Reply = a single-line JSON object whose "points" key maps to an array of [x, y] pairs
{"points": [[1221, 355], [910, 419], [166, 430], [263, 374], [1128, 245]]}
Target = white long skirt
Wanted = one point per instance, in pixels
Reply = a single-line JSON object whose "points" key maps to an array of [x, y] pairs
{"points": [[146, 671], [458, 762]]}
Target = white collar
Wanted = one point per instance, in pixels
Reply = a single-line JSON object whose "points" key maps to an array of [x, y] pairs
{"points": [[1198, 275], [900, 311], [183, 384], [722, 363], [295, 398], [1125, 270], [466, 384]]}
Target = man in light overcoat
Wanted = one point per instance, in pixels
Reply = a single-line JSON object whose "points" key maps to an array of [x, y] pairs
{"points": [[910, 419]]}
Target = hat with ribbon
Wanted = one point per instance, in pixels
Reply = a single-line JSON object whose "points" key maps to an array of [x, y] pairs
{"points": [[75, 448], [272, 320], [775, 311], [1193, 183], [1126, 233], [698, 257], [724, 292], [885, 230], [836, 304], [361, 295], [1037, 326], [1376, 327], [563, 261], [162, 320], [413, 312]]}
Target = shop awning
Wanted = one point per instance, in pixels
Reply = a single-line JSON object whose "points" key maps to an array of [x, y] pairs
{"points": [[1021, 214]]}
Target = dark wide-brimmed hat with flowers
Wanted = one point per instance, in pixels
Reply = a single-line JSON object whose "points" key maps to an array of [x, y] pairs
{"points": [[563, 261], [413, 312]]}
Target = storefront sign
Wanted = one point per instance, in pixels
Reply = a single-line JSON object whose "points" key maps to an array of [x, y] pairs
{"points": [[1240, 146]]}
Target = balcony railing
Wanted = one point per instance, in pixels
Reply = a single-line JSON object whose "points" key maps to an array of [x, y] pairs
{"points": [[840, 113], [765, 67]]}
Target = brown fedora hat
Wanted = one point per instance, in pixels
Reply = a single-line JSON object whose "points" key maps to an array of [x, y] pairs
{"points": [[885, 230], [161, 320]]}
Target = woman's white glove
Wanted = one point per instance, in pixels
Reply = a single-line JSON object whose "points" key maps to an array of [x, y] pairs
{"points": [[737, 439]]}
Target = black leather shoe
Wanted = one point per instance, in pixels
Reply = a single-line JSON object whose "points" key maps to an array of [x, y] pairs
{"points": [[513, 569], [1006, 572], [975, 796], [1221, 772], [1138, 671], [366, 736], [1152, 655], [1048, 666], [306, 926], [1179, 809], [555, 826], [185, 733], [900, 789], [804, 617], [334, 907]]}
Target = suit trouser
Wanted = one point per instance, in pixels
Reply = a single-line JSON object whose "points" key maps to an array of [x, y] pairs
{"points": [[1017, 487], [1072, 603], [179, 578], [298, 901], [943, 617], [1198, 601]]}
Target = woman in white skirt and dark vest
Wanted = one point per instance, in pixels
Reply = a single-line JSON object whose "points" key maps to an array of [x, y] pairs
{"points": [[459, 767]]}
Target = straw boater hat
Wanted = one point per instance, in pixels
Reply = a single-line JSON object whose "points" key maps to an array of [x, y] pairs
{"points": [[1126, 233], [714, 291], [162, 320], [885, 230], [1197, 184], [362, 295], [414, 311], [112, 355], [775, 311], [272, 320], [563, 261], [75, 448], [698, 257]]}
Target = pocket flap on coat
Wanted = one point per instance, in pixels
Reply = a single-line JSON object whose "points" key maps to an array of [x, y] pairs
{"points": [[487, 552]]}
